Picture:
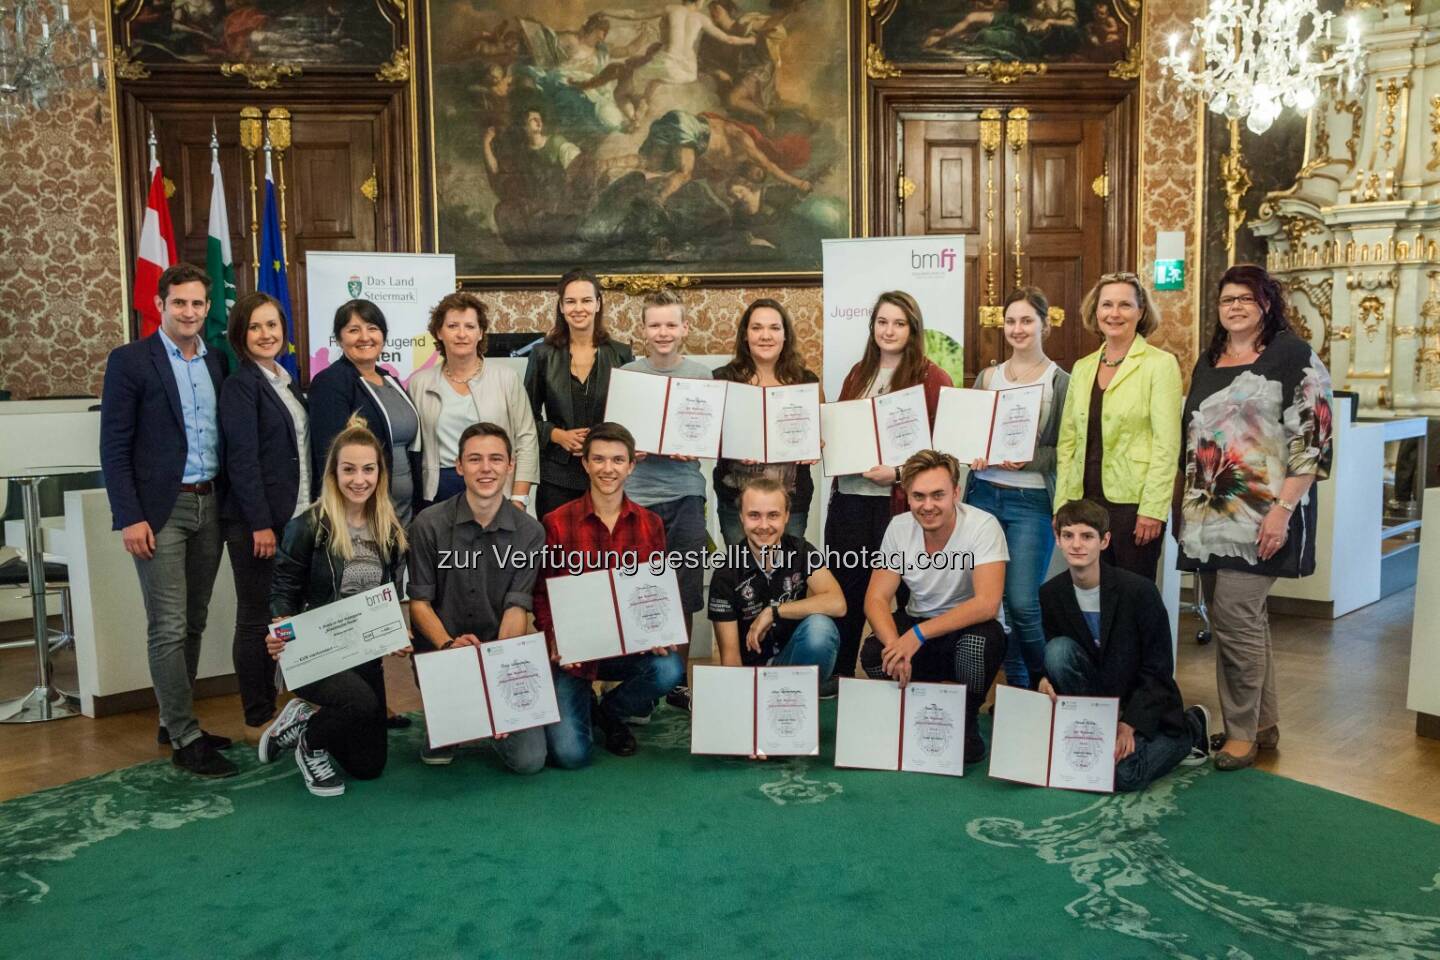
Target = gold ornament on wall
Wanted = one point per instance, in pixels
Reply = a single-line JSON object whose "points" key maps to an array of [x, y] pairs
{"points": [[639, 284], [1434, 163], [261, 76], [398, 69], [126, 68], [1129, 68], [1372, 314], [877, 67], [1004, 71]]}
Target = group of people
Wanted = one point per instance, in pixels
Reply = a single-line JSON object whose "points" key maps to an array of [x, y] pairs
{"points": [[364, 482]]}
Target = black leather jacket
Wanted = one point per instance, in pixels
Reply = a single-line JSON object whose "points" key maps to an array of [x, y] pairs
{"points": [[307, 574]]}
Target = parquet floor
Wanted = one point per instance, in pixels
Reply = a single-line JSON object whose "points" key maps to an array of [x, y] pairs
{"points": [[1342, 684]]}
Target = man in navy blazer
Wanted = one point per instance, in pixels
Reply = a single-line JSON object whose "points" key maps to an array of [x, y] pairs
{"points": [[160, 450]]}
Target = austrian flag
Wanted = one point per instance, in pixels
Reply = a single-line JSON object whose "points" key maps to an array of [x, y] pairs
{"points": [[156, 252]]}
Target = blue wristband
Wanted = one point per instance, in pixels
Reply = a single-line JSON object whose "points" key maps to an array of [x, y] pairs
{"points": [[915, 629]]}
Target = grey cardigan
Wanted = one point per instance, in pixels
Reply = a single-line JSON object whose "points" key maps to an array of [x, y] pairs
{"points": [[1044, 462], [499, 396]]}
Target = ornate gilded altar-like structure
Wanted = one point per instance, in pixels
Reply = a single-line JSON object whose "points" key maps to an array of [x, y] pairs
{"points": [[1356, 240]]}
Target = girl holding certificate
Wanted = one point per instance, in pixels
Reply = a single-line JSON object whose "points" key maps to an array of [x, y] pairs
{"points": [[350, 541], [1020, 495], [765, 356], [567, 379], [861, 506], [1119, 441]]}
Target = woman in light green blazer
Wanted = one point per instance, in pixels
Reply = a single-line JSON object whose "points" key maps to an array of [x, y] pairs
{"points": [[1119, 442]]}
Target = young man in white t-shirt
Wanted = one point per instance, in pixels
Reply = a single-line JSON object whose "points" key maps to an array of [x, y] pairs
{"points": [[952, 558]]}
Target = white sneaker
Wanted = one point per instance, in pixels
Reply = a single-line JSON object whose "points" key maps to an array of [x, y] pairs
{"points": [[1200, 752], [318, 769], [285, 731]]}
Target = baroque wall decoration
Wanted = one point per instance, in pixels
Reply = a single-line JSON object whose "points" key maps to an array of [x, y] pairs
{"points": [[60, 270]]}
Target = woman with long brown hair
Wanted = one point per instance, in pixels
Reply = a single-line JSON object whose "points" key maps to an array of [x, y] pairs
{"points": [[861, 506], [567, 379], [765, 356]]}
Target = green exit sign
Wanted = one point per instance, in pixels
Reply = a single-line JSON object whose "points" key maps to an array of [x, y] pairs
{"points": [[1169, 274]]}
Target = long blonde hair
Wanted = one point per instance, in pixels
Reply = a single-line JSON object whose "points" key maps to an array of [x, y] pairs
{"points": [[380, 516]]}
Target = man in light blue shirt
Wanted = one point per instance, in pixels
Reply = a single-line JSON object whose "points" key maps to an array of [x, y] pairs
{"points": [[160, 451]]}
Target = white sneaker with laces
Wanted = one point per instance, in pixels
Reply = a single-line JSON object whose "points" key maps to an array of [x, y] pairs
{"points": [[318, 769], [1200, 752]]}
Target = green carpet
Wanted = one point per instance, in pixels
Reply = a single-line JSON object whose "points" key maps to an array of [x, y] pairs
{"points": [[667, 855]]}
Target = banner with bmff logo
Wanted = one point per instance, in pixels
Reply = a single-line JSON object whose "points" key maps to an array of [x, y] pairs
{"points": [[403, 285], [931, 269]]}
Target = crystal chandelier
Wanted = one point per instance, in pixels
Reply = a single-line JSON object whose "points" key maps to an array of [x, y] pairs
{"points": [[42, 53], [1258, 56]]}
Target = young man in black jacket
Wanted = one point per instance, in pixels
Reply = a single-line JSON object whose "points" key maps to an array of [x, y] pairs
{"points": [[1107, 635]]}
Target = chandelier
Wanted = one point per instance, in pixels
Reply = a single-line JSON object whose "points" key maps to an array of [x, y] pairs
{"points": [[42, 53], [1259, 56]]}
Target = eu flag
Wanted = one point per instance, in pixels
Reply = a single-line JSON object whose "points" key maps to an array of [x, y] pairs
{"points": [[273, 279]]}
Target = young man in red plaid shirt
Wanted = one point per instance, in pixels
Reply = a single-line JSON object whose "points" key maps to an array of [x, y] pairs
{"points": [[597, 529]]}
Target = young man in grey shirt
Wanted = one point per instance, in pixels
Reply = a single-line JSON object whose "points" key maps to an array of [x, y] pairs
{"points": [[672, 486], [473, 561]]}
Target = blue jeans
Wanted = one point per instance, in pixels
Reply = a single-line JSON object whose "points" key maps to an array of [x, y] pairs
{"points": [[644, 679], [1025, 516], [815, 641], [732, 532], [1072, 673]]}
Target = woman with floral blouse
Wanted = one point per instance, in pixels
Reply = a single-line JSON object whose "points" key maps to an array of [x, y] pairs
{"points": [[1258, 430]]}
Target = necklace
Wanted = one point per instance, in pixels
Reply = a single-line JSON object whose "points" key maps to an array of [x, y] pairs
{"points": [[1015, 377], [1257, 349], [465, 379], [1111, 363]]}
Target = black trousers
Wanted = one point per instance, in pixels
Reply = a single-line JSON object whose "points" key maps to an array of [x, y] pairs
{"points": [[1123, 552], [350, 723], [254, 668], [550, 495], [971, 655], [854, 526]]}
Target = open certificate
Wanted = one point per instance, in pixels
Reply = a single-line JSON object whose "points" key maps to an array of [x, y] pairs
{"points": [[668, 415], [771, 424], [888, 430], [501, 687], [605, 613], [996, 425], [1069, 744], [755, 711], [327, 640], [919, 728]]}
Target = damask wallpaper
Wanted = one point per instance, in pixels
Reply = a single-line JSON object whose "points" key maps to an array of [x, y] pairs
{"points": [[60, 272]]}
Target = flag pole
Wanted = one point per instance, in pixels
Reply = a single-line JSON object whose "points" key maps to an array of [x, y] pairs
{"points": [[154, 146], [249, 142]]}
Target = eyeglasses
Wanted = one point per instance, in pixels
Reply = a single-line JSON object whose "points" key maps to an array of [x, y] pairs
{"points": [[1245, 300]]}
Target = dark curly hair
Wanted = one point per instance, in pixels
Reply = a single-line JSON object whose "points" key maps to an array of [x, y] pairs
{"points": [[1267, 292]]}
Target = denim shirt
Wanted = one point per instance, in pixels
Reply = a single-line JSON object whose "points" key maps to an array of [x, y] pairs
{"points": [[197, 404]]}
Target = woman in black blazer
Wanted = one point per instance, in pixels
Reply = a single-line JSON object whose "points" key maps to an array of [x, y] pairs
{"points": [[356, 383], [567, 378], [266, 460]]}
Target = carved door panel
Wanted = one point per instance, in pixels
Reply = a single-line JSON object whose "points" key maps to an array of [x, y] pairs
{"points": [[1020, 184], [330, 201]]}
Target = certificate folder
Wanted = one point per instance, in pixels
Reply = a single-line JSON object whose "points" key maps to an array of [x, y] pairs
{"points": [[771, 424], [606, 613], [996, 425], [885, 430], [1068, 744], [691, 412], [919, 728], [755, 711], [471, 693]]}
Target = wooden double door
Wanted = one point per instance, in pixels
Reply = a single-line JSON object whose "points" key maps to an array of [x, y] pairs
{"points": [[345, 172], [1041, 191]]}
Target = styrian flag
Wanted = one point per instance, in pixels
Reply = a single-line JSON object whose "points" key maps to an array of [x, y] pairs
{"points": [[221, 267], [156, 253]]}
